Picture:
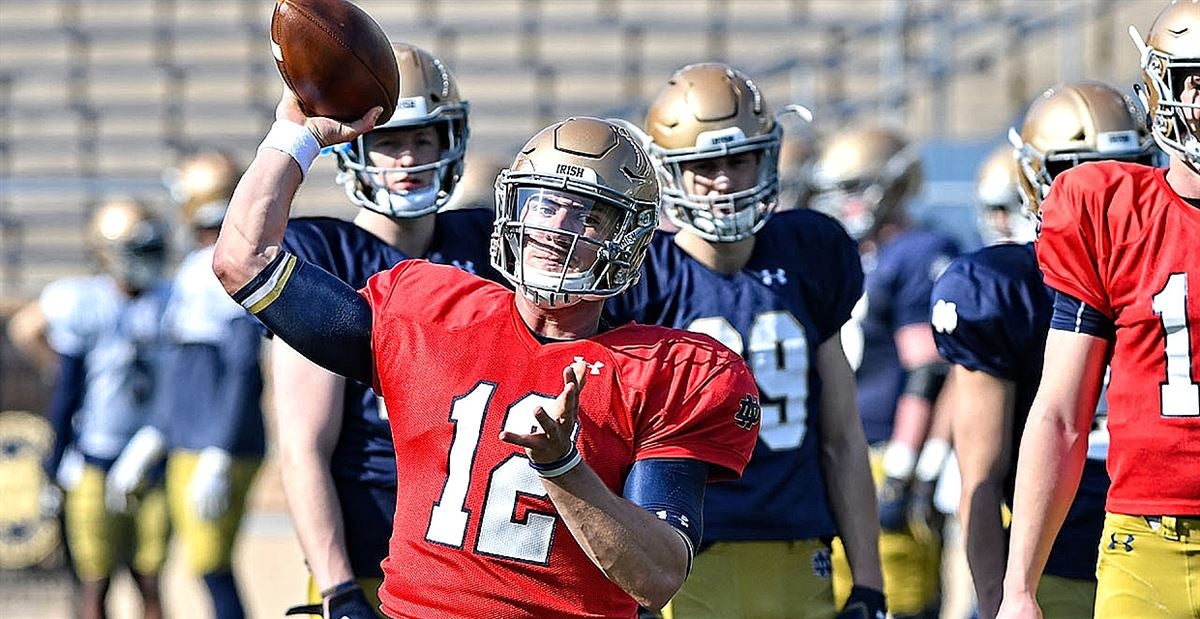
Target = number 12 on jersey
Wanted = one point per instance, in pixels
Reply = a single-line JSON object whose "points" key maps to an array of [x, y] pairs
{"points": [[499, 535]]}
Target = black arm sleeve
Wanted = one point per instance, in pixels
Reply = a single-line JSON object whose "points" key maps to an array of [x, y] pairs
{"points": [[316, 313], [673, 490]]}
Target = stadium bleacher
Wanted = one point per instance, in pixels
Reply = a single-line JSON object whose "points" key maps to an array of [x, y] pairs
{"points": [[98, 96]]}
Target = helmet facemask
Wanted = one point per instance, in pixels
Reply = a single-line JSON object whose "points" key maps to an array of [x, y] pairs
{"points": [[1173, 122], [368, 186], [732, 216], [562, 241]]}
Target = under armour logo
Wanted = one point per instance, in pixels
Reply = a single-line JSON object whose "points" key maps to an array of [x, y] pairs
{"points": [[944, 316], [822, 566], [773, 276], [1113, 541], [465, 265], [663, 515], [593, 368], [748, 414]]}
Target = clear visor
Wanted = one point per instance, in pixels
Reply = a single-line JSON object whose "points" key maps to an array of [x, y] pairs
{"points": [[563, 236]]}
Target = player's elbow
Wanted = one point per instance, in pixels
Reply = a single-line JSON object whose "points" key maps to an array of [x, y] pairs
{"points": [[658, 589], [232, 268]]}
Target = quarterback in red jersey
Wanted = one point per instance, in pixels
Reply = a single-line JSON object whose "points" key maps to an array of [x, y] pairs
{"points": [[1120, 245], [550, 465]]}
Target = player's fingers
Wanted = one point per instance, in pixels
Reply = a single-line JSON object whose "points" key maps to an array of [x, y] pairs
{"points": [[528, 441], [552, 426], [367, 122]]}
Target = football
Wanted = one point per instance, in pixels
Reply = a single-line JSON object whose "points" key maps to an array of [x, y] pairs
{"points": [[335, 57]]}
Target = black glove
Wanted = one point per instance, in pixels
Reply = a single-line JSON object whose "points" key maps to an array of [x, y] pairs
{"points": [[893, 504], [344, 601], [864, 603], [924, 520]]}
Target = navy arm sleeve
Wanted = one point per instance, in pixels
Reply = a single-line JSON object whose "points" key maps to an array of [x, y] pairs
{"points": [[317, 314], [673, 490], [64, 402], [1071, 314]]}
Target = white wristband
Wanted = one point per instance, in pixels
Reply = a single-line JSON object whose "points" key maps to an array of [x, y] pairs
{"points": [[573, 460], [295, 140]]}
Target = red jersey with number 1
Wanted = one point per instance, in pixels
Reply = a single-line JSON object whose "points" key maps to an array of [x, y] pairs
{"points": [[474, 533], [1116, 236]]}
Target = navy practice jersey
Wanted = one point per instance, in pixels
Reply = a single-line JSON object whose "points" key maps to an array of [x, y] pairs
{"points": [[899, 278], [796, 291], [211, 388], [364, 462], [991, 313]]}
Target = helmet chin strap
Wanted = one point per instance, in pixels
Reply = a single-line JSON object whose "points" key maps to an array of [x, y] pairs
{"points": [[407, 203]]}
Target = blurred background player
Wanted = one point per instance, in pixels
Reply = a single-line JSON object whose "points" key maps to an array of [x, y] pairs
{"points": [[797, 148], [1120, 246], [106, 331], [775, 289], [208, 410], [990, 318], [336, 446], [865, 177]]}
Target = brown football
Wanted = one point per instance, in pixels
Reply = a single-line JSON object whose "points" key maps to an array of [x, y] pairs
{"points": [[335, 58]]}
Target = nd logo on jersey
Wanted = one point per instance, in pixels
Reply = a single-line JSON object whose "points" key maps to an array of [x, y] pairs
{"points": [[26, 536]]}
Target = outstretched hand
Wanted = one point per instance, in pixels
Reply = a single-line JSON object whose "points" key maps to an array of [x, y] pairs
{"points": [[558, 425], [327, 130]]}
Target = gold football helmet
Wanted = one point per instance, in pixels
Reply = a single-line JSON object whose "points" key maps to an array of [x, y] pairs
{"points": [[575, 212], [202, 186], [130, 242], [864, 176], [1170, 55], [1071, 124], [998, 199], [428, 97], [708, 111]]}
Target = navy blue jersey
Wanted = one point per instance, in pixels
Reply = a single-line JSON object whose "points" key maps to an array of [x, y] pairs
{"points": [[795, 292], [899, 279], [211, 389], [364, 462], [991, 313]]}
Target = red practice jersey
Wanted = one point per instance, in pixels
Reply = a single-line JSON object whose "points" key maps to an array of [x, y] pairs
{"points": [[1115, 236], [474, 533]]}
